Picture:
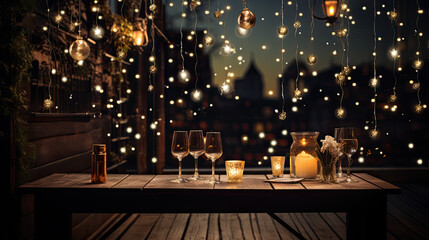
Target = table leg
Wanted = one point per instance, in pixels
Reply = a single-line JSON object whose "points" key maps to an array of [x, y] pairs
{"points": [[51, 222], [369, 220]]}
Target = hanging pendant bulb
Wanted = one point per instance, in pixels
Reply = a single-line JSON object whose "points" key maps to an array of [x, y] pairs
{"points": [[241, 32], [393, 98], [196, 95], [225, 88], [340, 112], [393, 15], [208, 40], [48, 104], [418, 64], [297, 93], [184, 76], [227, 48], [282, 31], [311, 59], [297, 24], [246, 19], [97, 32], [331, 10], [374, 134], [79, 49], [58, 18], [282, 115]]}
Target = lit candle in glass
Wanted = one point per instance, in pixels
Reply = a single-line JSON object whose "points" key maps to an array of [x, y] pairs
{"points": [[277, 166], [234, 170], [305, 165]]}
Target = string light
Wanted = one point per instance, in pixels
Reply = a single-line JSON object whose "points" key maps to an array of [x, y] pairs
{"points": [[418, 64], [374, 134], [282, 32]]}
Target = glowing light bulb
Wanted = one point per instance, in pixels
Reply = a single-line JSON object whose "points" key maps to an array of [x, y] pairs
{"points": [[340, 112], [79, 50], [241, 32], [225, 88], [227, 48], [97, 32], [184, 75], [196, 95]]}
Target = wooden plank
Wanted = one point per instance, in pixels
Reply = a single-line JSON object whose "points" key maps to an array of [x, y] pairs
{"points": [[335, 223], [246, 225], [178, 227], [301, 226], [42, 181], [286, 186], [141, 227], [399, 230], [378, 182], [111, 181], [283, 232], [134, 182], [319, 226], [213, 232], [408, 220], [197, 227], [230, 227], [316, 185], [162, 227], [255, 226], [164, 182], [255, 182], [266, 227], [121, 229]]}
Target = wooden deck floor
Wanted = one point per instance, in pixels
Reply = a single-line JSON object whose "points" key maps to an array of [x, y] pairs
{"points": [[407, 218]]}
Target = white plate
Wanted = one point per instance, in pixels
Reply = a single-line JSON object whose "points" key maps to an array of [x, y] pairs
{"points": [[285, 180]]}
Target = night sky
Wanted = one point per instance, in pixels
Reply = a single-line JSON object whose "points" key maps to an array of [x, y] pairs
{"points": [[265, 33]]}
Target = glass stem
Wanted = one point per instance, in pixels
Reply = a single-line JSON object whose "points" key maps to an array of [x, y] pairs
{"points": [[180, 169], [196, 167], [348, 167], [213, 171]]}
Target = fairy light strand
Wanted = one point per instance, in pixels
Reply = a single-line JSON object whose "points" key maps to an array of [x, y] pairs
{"points": [[181, 37], [418, 108], [393, 24], [195, 48], [374, 133], [297, 47], [282, 68]]}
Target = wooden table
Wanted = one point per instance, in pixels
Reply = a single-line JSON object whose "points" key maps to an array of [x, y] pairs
{"points": [[59, 195]]}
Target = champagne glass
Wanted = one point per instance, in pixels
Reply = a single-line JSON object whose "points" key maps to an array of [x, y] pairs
{"points": [[340, 173], [196, 149], [213, 151], [349, 141], [180, 149]]}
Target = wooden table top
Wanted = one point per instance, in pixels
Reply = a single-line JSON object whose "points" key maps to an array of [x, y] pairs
{"points": [[159, 182]]}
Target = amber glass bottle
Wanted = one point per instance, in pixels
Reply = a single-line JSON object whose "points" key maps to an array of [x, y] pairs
{"points": [[98, 163]]}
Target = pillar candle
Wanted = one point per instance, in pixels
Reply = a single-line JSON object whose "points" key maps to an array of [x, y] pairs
{"points": [[305, 165]]}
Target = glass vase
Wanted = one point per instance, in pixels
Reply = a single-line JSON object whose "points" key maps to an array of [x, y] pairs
{"points": [[328, 174], [304, 162]]}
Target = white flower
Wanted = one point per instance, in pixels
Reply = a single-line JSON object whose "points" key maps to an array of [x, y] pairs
{"points": [[330, 145]]}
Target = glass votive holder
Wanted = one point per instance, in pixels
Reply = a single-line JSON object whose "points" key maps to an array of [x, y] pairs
{"points": [[278, 166], [234, 170]]}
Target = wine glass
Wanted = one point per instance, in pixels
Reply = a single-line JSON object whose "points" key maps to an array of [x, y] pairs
{"points": [[180, 149], [340, 173], [196, 149], [347, 137], [213, 151]]}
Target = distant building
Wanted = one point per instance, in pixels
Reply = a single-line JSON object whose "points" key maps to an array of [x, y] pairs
{"points": [[251, 86]]}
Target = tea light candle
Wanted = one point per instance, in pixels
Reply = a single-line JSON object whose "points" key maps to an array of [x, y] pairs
{"points": [[305, 165], [234, 170], [277, 165]]}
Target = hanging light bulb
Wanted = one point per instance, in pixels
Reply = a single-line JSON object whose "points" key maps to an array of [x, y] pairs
{"points": [[297, 93], [393, 15], [282, 31], [196, 95], [97, 32], [58, 18], [418, 64], [340, 112], [311, 59], [331, 10], [184, 75], [208, 40], [393, 98], [139, 36], [418, 108], [48, 104], [79, 49], [282, 115], [227, 48], [225, 88], [374, 134], [241, 32], [246, 19], [297, 24]]}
